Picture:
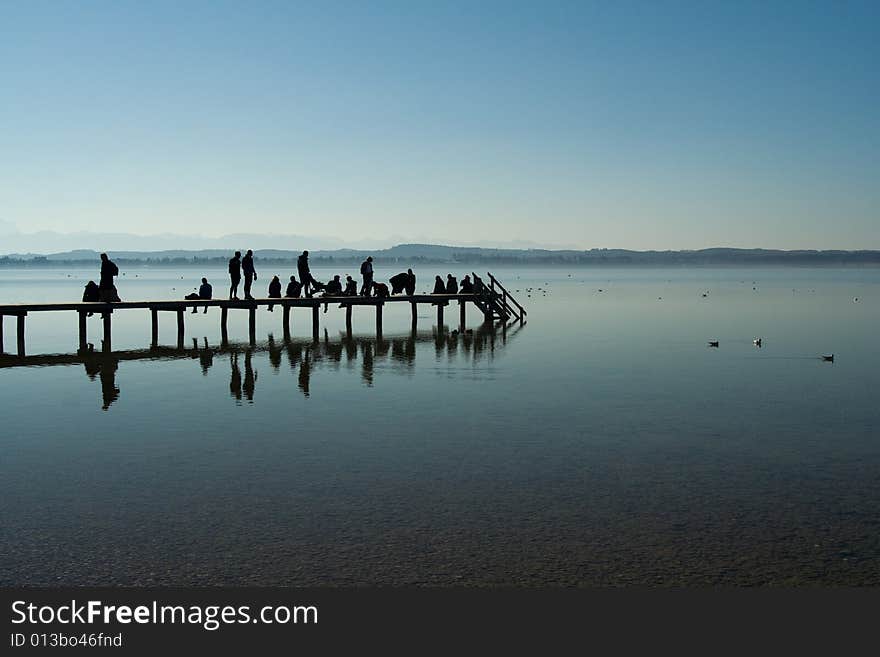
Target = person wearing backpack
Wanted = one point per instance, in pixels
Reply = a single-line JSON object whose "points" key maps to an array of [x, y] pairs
{"points": [[106, 289]]}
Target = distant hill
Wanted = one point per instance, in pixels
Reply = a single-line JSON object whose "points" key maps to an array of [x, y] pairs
{"points": [[434, 253]]}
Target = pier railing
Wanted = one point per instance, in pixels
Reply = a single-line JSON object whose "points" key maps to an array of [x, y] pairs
{"points": [[495, 301]]}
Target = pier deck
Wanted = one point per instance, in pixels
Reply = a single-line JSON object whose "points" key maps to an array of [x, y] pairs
{"points": [[492, 301]]}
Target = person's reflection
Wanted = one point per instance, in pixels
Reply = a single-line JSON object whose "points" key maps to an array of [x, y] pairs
{"points": [[452, 346], [403, 350], [439, 343], [206, 356], [367, 365], [274, 353], [235, 377], [104, 367], [333, 350], [351, 350], [305, 372], [250, 376]]}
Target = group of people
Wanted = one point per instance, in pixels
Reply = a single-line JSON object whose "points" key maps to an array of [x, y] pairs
{"points": [[307, 285]]}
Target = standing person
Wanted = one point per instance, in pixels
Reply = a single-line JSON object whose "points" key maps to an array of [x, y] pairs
{"points": [[305, 276], [274, 291], [234, 274], [367, 273], [451, 284], [106, 289], [250, 274], [411, 283]]}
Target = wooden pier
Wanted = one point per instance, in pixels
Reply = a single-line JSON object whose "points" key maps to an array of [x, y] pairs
{"points": [[492, 301]]}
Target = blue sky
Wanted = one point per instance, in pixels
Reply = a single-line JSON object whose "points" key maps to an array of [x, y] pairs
{"points": [[635, 125]]}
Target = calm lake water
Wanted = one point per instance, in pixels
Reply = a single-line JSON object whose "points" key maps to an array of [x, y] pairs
{"points": [[601, 443]]}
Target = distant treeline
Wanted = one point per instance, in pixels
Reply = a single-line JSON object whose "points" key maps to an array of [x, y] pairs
{"points": [[596, 257]]}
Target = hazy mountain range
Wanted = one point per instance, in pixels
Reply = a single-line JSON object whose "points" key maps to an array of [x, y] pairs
{"points": [[13, 240], [431, 253]]}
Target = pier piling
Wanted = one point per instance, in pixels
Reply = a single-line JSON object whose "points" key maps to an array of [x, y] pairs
{"points": [[108, 337], [348, 319], [154, 318], [180, 328], [252, 324], [379, 320], [315, 309], [1, 334], [461, 322], [83, 330], [19, 326], [286, 321]]}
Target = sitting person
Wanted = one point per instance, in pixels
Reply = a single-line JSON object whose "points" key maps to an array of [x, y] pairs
{"points": [[205, 292], [91, 293], [274, 291], [398, 282], [466, 286], [439, 286], [380, 290], [333, 289], [351, 287], [451, 284], [294, 288]]}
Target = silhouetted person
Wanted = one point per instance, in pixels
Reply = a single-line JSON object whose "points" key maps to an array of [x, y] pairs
{"points": [[451, 284], [250, 274], [399, 282], [106, 288], [439, 286], [234, 274], [351, 287], [367, 273], [293, 288], [274, 291], [205, 292], [466, 286], [381, 290], [411, 284], [309, 284], [91, 293], [333, 289]]}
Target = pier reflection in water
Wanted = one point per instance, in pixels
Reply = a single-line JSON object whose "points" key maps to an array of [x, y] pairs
{"points": [[304, 357]]}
